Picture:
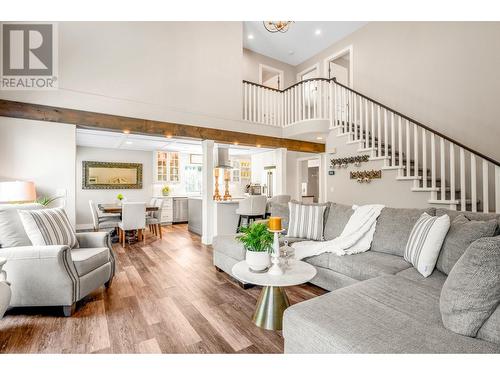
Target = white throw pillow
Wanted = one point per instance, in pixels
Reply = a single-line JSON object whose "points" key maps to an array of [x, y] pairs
{"points": [[306, 220], [48, 227], [12, 232], [426, 239]]}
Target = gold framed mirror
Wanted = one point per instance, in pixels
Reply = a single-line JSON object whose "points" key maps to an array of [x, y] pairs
{"points": [[111, 175]]}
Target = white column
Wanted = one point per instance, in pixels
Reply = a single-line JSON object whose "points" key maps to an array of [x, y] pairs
{"points": [[323, 177], [280, 187], [207, 188]]}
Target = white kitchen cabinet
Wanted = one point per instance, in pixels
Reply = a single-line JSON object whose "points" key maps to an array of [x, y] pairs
{"points": [[167, 213]]}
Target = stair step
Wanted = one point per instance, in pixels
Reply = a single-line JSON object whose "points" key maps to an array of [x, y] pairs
{"points": [[408, 178], [352, 142], [365, 149], [438, 201], [391, 168]]}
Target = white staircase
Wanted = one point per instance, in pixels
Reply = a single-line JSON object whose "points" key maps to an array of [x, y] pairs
{"points": [[452, 174]]}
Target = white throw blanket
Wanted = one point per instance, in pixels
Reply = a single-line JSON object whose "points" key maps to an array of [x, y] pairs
{"points": [[356, 237]]}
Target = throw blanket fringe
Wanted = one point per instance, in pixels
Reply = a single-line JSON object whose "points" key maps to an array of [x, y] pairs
{"points": [[356, 237]]}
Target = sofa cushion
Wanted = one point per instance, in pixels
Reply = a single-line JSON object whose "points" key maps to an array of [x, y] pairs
{"points": [[88, 259], [321, 260], [472, 290], [476, 216], [387, 314], [366, 265], [462, 233], [12, 231], [426, 239], [435, 281], [281, 210], [307, 220], [393, 229], [228, 245], [336, 220], [490, 330]]}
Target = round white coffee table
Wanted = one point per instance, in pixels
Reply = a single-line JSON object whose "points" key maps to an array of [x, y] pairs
{"points": [[273, 300]]}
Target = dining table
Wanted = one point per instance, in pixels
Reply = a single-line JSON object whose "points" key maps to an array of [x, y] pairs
{"points": [[116, 208]]}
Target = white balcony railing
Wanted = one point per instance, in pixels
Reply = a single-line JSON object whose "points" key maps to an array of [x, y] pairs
{"points": [[306, 100]]}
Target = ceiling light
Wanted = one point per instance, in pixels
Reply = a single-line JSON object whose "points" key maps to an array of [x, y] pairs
{"points": [[319, 138], [126, 131], [317, 32], [258, 146], [277, 26], [250, 36], [169, 135], [128, 142]]}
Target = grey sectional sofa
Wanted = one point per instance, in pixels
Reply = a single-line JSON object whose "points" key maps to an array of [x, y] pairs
{"points": [[378, 302]]}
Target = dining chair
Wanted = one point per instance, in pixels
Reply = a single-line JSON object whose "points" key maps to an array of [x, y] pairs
{"points": [[102, 222], [251, 208], [133, 218], [154, 221], [277, 199]]}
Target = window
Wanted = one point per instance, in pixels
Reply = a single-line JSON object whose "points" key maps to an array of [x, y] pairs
{"points": [[192, 178], [167, 166]]}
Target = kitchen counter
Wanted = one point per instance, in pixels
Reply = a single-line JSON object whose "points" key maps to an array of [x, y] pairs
{"points": [[195, 215]]}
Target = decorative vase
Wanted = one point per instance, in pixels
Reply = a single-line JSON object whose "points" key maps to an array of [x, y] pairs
{"points": [[257, 261]]}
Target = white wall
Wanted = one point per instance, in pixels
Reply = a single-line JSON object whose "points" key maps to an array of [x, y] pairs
{"points": [[182, 72], [259, 161], [42, 152], [83, 216], [251, 61], [443, 74]]}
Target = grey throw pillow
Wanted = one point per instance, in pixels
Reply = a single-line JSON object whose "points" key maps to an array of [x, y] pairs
{"points": [[281, 210], [337, 219], [462, 233], [471, 292]]}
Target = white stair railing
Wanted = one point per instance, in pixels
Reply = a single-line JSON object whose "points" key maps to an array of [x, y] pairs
{"points": [[455, 176], [404, 144]]}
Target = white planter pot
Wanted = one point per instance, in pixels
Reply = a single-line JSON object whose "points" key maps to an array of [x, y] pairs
{"points": [[258, 260]]}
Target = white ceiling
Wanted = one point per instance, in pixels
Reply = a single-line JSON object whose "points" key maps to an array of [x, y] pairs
{"points": [[137, 142], [300, 42]]}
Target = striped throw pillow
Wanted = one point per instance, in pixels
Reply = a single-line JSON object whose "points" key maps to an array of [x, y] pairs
{"points": [[306, 221], [48, 227], [425, 241]]}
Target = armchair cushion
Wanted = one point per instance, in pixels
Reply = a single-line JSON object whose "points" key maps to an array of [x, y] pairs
{"points": [[88, 259], [12, 232], [48, 227]]}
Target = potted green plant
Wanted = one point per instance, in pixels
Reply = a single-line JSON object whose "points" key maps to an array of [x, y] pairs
{"points": [[258, 242], [165, 191], [120, 198]]}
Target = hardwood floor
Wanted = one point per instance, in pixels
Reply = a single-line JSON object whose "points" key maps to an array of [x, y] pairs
{"points": [[166, 297]]}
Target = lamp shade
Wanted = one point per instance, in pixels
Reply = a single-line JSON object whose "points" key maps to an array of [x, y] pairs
{"points": [[17, 191]]}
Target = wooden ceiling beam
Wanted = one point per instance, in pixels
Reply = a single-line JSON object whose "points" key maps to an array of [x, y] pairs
{"points": [[94, 120]]}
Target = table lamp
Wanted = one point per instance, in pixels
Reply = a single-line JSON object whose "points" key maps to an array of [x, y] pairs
{"points": [[274, 226], [17, 192]]}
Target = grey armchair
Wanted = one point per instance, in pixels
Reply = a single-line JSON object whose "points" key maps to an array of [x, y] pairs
{"points": [[57, 275]]}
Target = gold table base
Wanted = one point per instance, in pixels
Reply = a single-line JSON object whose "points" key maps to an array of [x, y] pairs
{"points": [[270, 308]]}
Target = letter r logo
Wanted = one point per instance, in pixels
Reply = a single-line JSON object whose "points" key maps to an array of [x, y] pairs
{"points": [[27, 49]]}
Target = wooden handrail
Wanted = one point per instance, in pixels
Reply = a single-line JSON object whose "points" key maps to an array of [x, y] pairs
{"points": [[439, 134]]}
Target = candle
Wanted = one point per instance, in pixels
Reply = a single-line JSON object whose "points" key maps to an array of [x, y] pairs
{"points": [[275, 223]]}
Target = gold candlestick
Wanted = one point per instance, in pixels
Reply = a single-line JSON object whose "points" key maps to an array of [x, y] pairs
{"points": [[217, 196], [227, 196]]}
